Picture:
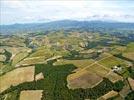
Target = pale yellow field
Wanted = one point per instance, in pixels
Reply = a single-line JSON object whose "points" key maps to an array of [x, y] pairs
{"points": [[113, 61], [31, 61], [113, 77], [2, 57], [77, 63], [108, 95], [31, 95], [18, 57], [17, 76], [129, 55], [131, 82]]}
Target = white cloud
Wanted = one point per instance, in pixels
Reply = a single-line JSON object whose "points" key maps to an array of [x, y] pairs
{"points": [[34, 10]]}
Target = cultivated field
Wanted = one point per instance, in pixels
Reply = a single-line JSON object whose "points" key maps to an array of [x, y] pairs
{"points": [[17, 76], [90, 76], [108, 95], [129, 55], [83, 79], [77, 63], [113, 77], [31, 95], [31, 61], [112, 61], [18, 57]]}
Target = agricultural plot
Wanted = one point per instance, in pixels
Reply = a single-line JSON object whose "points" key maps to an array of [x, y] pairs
{"points": [[39, 76], [129, 52], [13, 95], [126, 89], [31, 95], [77, 63], [113, 77], [15, 50], [112, 61], [129, 55], [131, 82], [103, 56], [17, 76], [2, 50], [42, 52], [2, 58], [31, 61], [108, 95], [18, 57], [118, 49], [98, 69], [87, 77], [83, 79], [1, 65], [90, 76]]}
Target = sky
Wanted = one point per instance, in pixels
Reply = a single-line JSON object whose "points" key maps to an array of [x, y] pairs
{"points": [[38, 11]]}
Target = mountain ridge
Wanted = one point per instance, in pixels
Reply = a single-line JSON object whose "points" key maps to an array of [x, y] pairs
{"points": [[63, 24]]}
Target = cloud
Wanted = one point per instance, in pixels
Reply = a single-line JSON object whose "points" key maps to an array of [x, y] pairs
{"points": [[21, 11]]}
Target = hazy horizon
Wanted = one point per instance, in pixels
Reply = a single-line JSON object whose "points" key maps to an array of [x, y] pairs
{"points": [[33, 11]]}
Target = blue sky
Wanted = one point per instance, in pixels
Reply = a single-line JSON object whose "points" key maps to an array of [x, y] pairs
{"points": [[29, 11]]}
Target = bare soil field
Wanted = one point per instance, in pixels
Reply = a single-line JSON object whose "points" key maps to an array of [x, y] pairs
{"points": [[83, 79], [31, 95], [108, 95], [17, 76]]}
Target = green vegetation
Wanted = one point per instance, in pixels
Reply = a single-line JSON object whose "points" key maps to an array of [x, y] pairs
{"points": [[77, 64]]}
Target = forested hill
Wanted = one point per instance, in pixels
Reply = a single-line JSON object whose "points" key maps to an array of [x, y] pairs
{"points": [[99, 26]]}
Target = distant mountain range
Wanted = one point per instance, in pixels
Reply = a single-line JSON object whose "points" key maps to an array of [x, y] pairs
{"points": [[65, 24]]}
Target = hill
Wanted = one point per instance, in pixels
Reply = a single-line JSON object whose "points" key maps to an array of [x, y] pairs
{"points": [[93, 26]]}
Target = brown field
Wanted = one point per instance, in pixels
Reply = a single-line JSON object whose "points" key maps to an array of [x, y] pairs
{"points": [[108, 95], [31, 95], [83, 79], [39, 76], [90, 76], [129, 55], [131, 82], [113, 77], [17, 76], [87, 77], [126, 89]]}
